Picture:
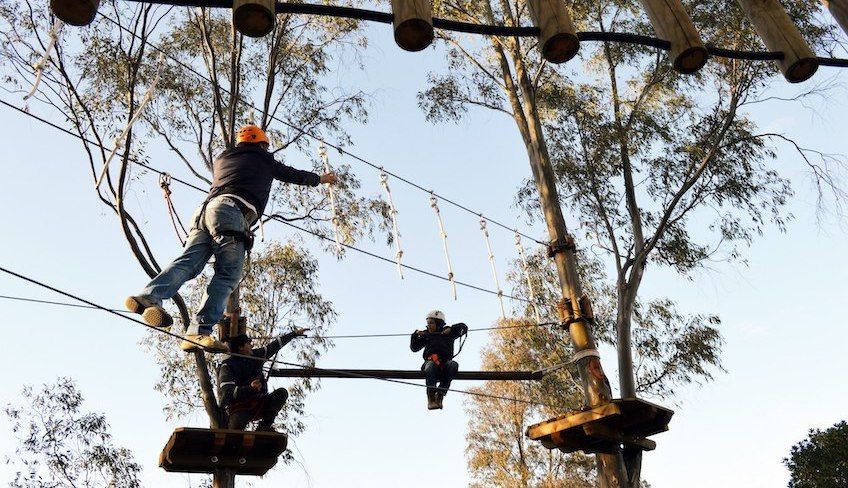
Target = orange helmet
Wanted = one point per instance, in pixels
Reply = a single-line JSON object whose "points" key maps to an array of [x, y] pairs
{"points": [[251, 133]]}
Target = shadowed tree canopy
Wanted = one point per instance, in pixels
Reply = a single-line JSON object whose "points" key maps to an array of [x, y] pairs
{"points": [[62, 446], [820, 460]]}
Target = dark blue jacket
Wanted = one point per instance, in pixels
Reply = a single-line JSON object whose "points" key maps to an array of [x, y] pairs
{"points": [[436, 342], [236, 373], [248, 171]]}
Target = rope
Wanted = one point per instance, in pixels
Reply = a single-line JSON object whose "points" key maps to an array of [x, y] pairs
{"points": [[384, 181], [254, 358], [273, 217], [165, 184], [310, 135], [492, 263], [45, 59], [121, 139], [322, 151], [435, 204], [526, 269]]}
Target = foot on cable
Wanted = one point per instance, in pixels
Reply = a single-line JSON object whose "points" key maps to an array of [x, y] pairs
{"points": [[205, 342], [151, 313], [439, 397], [431, 401]]}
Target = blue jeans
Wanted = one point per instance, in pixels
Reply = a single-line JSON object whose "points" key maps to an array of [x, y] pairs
{"points": [[442, 374], [221, 215]]}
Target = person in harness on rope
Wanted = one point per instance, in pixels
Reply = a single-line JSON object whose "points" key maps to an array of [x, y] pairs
{"points": [[221, 227], [242, 389], [439, 366]]}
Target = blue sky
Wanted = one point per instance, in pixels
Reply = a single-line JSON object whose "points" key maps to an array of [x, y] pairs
{"points": [[782, 319]]}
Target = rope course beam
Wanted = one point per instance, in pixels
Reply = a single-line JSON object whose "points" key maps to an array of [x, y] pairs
{"points": [[405, 374], [498, 30], [349, 374]]}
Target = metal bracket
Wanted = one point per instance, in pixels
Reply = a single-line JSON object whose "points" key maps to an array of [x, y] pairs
{"points": [[558, 246]]}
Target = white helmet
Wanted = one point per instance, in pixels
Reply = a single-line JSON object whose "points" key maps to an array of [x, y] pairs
{"points": [[436, 314]]}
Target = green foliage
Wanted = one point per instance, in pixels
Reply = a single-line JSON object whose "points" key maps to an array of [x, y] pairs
{"points": [[60, 446], [820, 460]]}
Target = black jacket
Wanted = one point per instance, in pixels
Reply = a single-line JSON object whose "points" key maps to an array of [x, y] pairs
{"points": [[436, 342], [236, 373], [248, 171]]}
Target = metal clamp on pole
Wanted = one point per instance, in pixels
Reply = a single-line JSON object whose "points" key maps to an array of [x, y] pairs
{"points": [[561, 245], [585, 353]]}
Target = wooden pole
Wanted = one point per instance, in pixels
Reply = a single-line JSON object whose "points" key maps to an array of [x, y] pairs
{"points": [[75, 12], [839, 10], [672, 24], [413, 23], [254, 18], [777, 31], [594, 382], [557, 38], [226, 478]]}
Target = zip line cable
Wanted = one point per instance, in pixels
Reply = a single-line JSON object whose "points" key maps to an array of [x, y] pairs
{"points": [[358, 336], [254, 358], [318, 139], [273, 217]]}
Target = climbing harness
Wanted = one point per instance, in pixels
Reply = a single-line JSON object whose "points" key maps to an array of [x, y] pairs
{"points": [[322, 151], [45, 59], [435, 204], [526, 269], [119, 141], [384, 181], [492, 263]]}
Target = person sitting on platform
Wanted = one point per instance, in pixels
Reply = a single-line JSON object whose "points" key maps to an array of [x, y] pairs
{"points": [[242, 389], [221, 226], [439, 366]]}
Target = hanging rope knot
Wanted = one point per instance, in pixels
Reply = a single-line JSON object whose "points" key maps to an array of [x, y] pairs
{"points": [[434, 202], [165, 183]]}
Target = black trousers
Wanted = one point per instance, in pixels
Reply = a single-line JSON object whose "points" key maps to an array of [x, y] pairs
{"points": [[266, 411]]}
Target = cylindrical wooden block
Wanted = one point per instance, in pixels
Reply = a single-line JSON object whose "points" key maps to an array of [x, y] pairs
{"points": [[839, 10], [413, 23], [777, 31], [672, 24], [75, 12], [557, 39], [254, 18]]}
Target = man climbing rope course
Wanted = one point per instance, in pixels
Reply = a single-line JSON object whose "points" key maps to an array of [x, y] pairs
{"points": [[242, 178], [242, 388], [439, 366]]}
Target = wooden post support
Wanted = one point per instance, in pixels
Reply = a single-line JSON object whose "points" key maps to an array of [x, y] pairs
{"points": [[75, 12], [672, 24], [839, 10], [557, 39], [777, 31], [413, 22], [254, 18]]}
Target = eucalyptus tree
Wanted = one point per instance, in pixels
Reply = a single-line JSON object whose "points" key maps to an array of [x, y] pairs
{"points": [[187, 80], [60, 445], [654, 167]]}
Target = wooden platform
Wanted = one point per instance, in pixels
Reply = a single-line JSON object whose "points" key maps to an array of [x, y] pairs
{"points": [[605, 428], [191, 450]]}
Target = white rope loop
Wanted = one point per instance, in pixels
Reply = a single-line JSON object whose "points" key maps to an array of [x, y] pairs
{"points": [[45, 59], [526, 268], [434, 202], [322, 151], [384, 181], [485, 231], [119, 141]]}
